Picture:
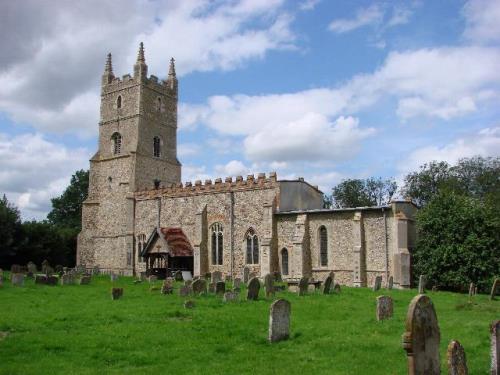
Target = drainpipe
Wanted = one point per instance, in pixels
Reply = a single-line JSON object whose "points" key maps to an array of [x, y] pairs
{"points": [[232, 232], [386, 247]]}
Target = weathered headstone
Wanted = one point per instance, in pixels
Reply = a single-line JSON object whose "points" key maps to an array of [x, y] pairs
{"points": [[188, 282], [187, 275], [153, 278], [253, 289], [208, 277], [230, 296], [17, 279], [377, 283], [421, 284], [184, 290], [216, 276], [40, 279], [211, 288], [167, 286], [32, 267], [384, 307], [220, 287], [199, 286], [52, 280], [495, 347], [269, 285], [113, 277], [471, 290], [279, 320], [246, 273], [237, 284], [45, 266], [422, 336], [277, 277], [189, 304], [85, 280], [303, 285], [116, 293], [67, 279], [336, 288], [457, 363], [494, 288], [390, 283], [327, 285], [178, 276]]}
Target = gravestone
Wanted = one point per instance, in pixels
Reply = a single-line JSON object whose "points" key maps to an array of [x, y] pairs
{"points": [[211, 288], [327, 285], [152, 278], [187, 275], [277, 277], [184, 290], [336, 288], [237, 284], [421, 284], [199, 286], [269, 285], [384, 307], [303, 285], [167, 286], [494, 288], [279, 320], [67, 279], [189, 304], [113, 277], [435, 288], [52, 280], [59, 268], [40, 279], [495, 348], [253, 289], [216, 276], [178, 276], [116, 293], [45, 266], [220, 287], [230, 297], [85, 280], [208, 276], [17, 279], [188, 282], [390, 283], [246, 274], [422, 336], [15, 268], [471, 290], [457, 363], [377, 283], [32, 267]]}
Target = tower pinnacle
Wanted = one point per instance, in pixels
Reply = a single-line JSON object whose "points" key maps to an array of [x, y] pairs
{"points": [[140, 54], [108, 75], [109, 65], [140, 67], [171, 70]]}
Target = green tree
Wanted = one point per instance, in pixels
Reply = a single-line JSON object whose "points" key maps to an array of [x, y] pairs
{"points": [[10, 231], [421, 186], [363, 193]]}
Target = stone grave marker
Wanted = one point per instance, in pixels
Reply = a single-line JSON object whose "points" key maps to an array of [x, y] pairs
{"points": [[327, 285], [237, 284], [279, 320], [184, 291], [471, 290], [277, 277], [208, 276], [178, 276], [52, 280], [85, 280], [216, 276], [188, 282], [113, 277], [187, 275], [246, 274], [435, 288], [336, 288], [495, 347], [59, 268], [390, 283], [116, 293], [17, 279], [269, 285], [303, 286], [40, 279], [421, 284], [199, 286], [31, 267], [211, 288], [220, 287], [457, 364], [384, 307], [253, 289], [230, 297], [45, 265], [494, 288], [377, 283], [152, 278], [167, 286], [422, 336], [67, 279], [189, 304]]}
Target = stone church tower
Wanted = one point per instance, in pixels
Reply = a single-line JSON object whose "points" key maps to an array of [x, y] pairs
{"points": [[137, 151]]}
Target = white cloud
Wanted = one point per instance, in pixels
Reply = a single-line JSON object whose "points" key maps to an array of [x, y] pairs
{"points": [[481, 18], [187, 149], [372, 15], [232, 168], [308, 4]]}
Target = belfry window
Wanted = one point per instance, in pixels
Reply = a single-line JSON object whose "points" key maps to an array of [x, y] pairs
{"points": [[284, 261], [117, 143], [119, 102], [323, 246], [217, 244], [252, 247], [156, 147]]}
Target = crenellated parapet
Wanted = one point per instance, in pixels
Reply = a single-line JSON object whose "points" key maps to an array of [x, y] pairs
{"points": [[189, 188]]}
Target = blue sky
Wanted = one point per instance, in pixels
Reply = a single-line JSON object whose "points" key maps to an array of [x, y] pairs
{"points": [[325, 89]]}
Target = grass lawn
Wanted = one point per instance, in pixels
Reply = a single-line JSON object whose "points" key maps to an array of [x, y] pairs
{"points": [[80, 330]]}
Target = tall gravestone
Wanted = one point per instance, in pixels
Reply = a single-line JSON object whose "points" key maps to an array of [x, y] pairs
{"points": [[220, 288], [246, 274], [471, 290], [32, 267], [253, 289], [377, 283], [421, 284], [422, 336], [303, 285], [327, 285], [269, 284], [495, 347], [390, 283], [17, 279], [216, 276], [457, 363], [178, 276], [237, 284], [199, 286], [385, 307], [279, 320], [494, 288]]}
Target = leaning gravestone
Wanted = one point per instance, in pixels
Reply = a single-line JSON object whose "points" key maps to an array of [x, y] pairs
{"points": [[184, 290], [67, 279], [167, 287], [220, 287], [17, 279], [116, 293], [377, 284], [494, 288], [199, 286], [178, 276], [246, 273], [85, 280], [421, 339], [40, 279], [253, 289], [269, 284], [52, 280], [384, 307], [457, 364], [421, 284], [216, 276], [495, 347], [327, 285], [279, 320], [237, 284], [303, 285], [230, 296]]}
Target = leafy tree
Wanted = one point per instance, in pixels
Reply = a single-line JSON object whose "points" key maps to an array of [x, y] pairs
{"points": [[421, 186], [67, 209], [362, 193], [10, 230], [458, 242]]}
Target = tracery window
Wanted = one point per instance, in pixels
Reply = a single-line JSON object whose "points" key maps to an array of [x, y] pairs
{"points": [[117, 143], [217, 244], [323, 246], [156, 147], [252, 247], [284, 261]]}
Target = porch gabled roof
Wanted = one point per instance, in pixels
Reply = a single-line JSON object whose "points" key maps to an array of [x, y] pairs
{"points": [[175, 242]]}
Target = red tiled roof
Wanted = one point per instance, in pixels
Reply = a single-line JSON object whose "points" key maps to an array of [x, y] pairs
{"points": [[177, 241]]}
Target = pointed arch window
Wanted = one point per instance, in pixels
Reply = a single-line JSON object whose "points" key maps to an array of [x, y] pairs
{"points": [[323, 246], [252, 247], [284, 261], [157, 147], [116, 138], [119, 102], [217, 244]]}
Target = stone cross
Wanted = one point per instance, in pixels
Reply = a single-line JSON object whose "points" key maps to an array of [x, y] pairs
{"points": [[85, 280], [230, 296], [220, 287], [494, 288], [17, 279], [279, 320], [184, 290], [116, 293], [495, 347], [303, 285], [422, 336], [246, 273], [384, 307], [377, 283], [216, 276], [390, 283], [457, 364], [199, 286], [253, 289], [421, 284], [269, 285], [327, 285]]}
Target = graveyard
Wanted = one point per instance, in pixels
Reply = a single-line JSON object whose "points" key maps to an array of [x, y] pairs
{"points": [[82, 329]]}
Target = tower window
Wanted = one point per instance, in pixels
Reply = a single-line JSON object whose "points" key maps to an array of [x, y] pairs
{"points": [[284, 261], [252, 247], [156, 147], [217, 244], [119, 101], [116, 139]]}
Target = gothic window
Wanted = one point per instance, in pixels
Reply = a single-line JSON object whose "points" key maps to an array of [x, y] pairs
{"points": [[217, 243], [117, 143], [323, 246], [156, 147], [284, 261], [119, 101], [141, 242], [252, 247]]}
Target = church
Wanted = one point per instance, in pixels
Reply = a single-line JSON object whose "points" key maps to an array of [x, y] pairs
{"points": [[140, 218]]}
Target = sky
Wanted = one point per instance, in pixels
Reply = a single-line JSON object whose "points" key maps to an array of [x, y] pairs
{"points": [[321, 89]]}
